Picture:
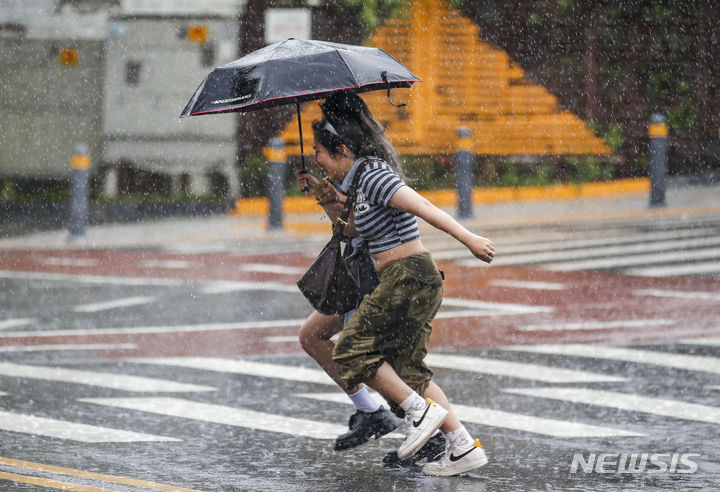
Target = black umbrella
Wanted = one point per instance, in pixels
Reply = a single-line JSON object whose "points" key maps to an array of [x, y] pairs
{"points": [[294, 71]]}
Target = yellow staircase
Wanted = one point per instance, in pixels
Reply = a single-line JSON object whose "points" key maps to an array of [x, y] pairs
{"points": [[466, 82]]}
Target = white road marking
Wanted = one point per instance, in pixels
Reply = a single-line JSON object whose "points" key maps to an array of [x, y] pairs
{"points": [[598, 325], [206, 412], [281, 339], [318, 376], [91, 279], [135, 330], [100, 379], [676, 256], [68, 346], [169, 264], [238, 366], [562, 242], [507, 420], [665, 359], [701, 268], [211, 286], [12, 323], [713, 342], [117, 303], [491, 308], [522, 284], [60, 429], [516, 369], [273, 268], [680, 294], [221, 287], [626, 401], [81, 262]]}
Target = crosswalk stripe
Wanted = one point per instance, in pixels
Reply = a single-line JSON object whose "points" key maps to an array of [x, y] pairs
{"points": [[219, 414], [250, 368], [272, 268], [680, 294], [705, 267], [516, 369], [29, 424], [64, 261], [318, 376], [521, 284], [117, 303], [625, 401], [605, 241], [713, 342], [221, 287], [665, 359], [598, 325], [629, 254], [493, 307], [676, 256], [67, 346], [169, 264], [100, 379], [12, 323], [508, 420], [135, 330]]}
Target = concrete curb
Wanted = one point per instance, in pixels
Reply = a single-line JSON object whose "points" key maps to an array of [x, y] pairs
{"points": [[259, 207]]}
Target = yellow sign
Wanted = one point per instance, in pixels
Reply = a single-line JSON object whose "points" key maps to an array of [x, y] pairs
{"points": [[657, 130], [197, 33], [68, 57], [80, 161]]}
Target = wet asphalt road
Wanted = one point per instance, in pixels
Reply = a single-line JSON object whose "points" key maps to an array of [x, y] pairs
{"points": [[232, 429]]}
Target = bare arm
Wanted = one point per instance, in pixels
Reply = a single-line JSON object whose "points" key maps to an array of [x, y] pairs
{"points": [[409, 200]]}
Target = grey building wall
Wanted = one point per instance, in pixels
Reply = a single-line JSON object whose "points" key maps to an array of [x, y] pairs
{"points": [[47, 107], [151, 71]]}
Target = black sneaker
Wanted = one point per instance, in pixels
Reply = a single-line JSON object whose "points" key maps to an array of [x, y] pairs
{"points": [[431, 451], [363, 425]]}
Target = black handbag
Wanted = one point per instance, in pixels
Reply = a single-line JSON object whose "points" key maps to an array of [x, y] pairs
{"points": [[327, 284]]}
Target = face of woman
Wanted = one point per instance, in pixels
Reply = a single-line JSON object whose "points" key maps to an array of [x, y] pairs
{"points": [[331, 165]]}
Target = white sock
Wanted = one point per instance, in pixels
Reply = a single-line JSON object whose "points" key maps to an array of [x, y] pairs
{"points": [[413, 402], [460, 438], [363, 400]]}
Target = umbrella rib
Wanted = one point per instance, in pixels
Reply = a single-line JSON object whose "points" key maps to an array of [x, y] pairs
{"points": [[342, 58]]}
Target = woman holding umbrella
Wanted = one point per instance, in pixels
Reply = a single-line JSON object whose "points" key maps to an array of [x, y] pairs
{"points": [[316, 333], [385, 341]]}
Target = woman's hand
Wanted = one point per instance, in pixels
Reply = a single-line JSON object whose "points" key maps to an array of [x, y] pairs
{"points": [[481, 247], [307, 182]]}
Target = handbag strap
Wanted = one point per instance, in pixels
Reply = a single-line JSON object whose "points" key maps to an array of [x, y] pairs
{"points": [[342, 221]]}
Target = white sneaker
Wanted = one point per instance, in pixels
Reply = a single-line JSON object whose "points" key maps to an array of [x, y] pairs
{"points": [[452, 464], [420, 425]]}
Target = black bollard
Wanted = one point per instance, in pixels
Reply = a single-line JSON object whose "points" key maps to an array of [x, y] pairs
{"points": [[464, 173], [275, 155], [79, 171], [658, 132]]}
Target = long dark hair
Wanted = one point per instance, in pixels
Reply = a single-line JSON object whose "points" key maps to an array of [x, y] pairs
{"points": [[352, 124]]}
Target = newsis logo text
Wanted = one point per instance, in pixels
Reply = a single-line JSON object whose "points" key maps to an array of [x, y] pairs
{"points": [[633, 463]]}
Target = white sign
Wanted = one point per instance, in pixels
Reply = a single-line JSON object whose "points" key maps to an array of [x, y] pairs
{"points": [[281, 24]]}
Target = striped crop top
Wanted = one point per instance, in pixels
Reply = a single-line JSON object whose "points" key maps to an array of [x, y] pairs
{"points": [[382, 226]]}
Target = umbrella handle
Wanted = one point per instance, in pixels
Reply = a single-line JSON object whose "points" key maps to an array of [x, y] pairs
{"points": [[303, 168], [383, 75]]}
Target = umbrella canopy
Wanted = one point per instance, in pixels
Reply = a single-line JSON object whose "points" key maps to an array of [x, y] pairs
{"points": [[294, 71]]}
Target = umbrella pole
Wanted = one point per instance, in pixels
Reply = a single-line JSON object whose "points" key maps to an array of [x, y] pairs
{"points": [[303, 169]]}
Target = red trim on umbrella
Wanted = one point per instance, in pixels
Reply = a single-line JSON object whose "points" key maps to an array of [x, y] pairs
{"points": [[235, 108]]}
